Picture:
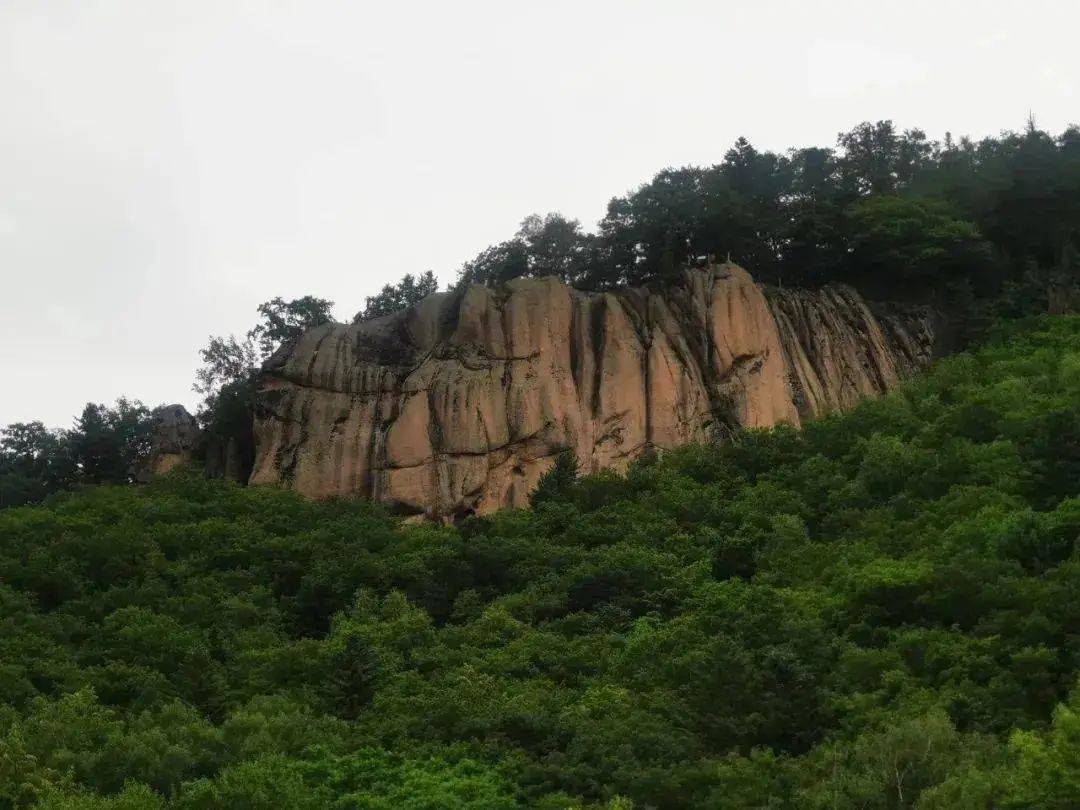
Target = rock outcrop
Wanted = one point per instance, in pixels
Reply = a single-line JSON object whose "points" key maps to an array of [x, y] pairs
{"points": [[174, 440], [460, 403], [837, 350]]}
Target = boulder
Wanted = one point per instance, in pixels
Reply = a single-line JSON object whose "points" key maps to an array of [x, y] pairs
{"points": [[176, 434]]}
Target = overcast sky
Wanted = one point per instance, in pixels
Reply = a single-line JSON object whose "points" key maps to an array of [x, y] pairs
{"points": [[166, 165]]}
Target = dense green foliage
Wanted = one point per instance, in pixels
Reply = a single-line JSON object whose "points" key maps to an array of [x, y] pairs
{"points": [[227, 361], [882, 209], [286, 320], [106, 444], [102, 447], [228, 379], [879, 611], [393, 297]]}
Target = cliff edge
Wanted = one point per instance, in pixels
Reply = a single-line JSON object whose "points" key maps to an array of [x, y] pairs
{"points": [[459, 404]]}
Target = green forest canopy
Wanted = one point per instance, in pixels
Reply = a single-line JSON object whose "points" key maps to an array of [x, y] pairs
{"points": [[983, 213], [879, 611]]}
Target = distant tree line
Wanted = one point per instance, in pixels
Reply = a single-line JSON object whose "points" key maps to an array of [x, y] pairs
{"points": [[106, 444], [102, 447]]}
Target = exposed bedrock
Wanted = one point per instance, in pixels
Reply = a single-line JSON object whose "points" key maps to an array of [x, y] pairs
{"points": [[460, 404], [173, 442]]}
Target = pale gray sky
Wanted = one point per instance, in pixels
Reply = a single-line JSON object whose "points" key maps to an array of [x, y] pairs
{"points": [[166, 165]]}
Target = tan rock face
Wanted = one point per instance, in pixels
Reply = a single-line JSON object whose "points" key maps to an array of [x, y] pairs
{"points": [[460, 404], [176, 433]]}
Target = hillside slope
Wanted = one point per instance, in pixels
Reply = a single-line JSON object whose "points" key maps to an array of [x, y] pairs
{"points": [[877, 611]]}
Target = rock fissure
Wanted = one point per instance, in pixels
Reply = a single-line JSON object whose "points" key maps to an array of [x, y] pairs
{"points": [[459, 404]]}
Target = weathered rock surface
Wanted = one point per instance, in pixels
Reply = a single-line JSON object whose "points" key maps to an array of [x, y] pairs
{"points": [[460, 404], [837, 350], [175, 436]]}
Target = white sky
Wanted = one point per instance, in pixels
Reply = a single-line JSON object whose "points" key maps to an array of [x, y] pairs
{"points": [[165, 166]]}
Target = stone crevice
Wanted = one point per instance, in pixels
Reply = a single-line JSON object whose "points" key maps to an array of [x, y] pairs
{"points": [[462, 402]]}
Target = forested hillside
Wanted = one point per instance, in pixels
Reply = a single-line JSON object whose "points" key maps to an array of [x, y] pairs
{"points": [[879, 611]]}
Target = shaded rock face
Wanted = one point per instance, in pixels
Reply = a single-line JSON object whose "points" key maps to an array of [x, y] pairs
{"points": [[229, 457], [838, 350], [174, 440], [459, 404]]}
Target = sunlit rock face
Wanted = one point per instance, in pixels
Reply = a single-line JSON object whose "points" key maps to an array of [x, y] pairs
{"points": [[459, 404]]}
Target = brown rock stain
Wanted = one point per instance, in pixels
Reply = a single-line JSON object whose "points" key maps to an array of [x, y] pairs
{"points": [[459, 404]]}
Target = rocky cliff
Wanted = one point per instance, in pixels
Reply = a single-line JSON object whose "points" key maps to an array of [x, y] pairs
{"points": [[459, 404]]}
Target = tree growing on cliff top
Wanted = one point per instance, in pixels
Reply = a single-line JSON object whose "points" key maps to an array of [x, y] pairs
{"points": [[393, 297], [791, 216], [227, 360], [283, 320], [551, 245], [228, 376], [903, 239]]}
